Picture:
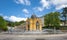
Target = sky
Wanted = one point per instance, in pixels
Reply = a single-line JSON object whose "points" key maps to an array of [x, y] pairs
{"points": [[17, 10]]}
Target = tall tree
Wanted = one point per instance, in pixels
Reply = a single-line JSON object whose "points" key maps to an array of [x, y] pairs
{"points": [[3, 24], [52, 19], [64, 15]]}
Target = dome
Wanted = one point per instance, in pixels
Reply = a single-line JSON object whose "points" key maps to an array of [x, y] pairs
{"points": [[33, 16]]}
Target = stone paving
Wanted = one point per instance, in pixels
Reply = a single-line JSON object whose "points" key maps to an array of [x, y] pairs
{"points": [[33, 37]]}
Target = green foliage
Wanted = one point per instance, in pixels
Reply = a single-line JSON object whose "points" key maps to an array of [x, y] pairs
{"points": [[12, 24], [3, 24], [64, 15], [52, 19]]}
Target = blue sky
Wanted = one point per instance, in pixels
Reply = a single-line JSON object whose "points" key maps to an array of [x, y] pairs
{"points": [[17, 10]]}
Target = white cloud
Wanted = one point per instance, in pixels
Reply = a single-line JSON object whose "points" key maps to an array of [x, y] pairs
{"points": [[59, 4], [5, 17], [44, 3], [60, 7], [19, 1], [14, 18], [39, 8], [25, 11], [25, 2]]}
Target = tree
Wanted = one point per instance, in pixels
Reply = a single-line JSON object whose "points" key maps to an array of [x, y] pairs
{"points": [[18, 23], [3, 24], [64, 15], [52, 19], [9, 23], [13, 24]]}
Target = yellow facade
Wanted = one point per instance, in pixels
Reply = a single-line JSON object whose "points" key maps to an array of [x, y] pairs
{"points": [[33, 24]]}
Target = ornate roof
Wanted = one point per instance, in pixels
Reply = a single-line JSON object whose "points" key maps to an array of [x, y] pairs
{"points": [[33, 16]]}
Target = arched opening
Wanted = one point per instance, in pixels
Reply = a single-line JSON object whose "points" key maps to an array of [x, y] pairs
{"points": [[28, 26], [37, 25]]}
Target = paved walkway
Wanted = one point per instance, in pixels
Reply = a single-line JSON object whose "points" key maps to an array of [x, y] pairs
{"points": [[34, 37]]}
